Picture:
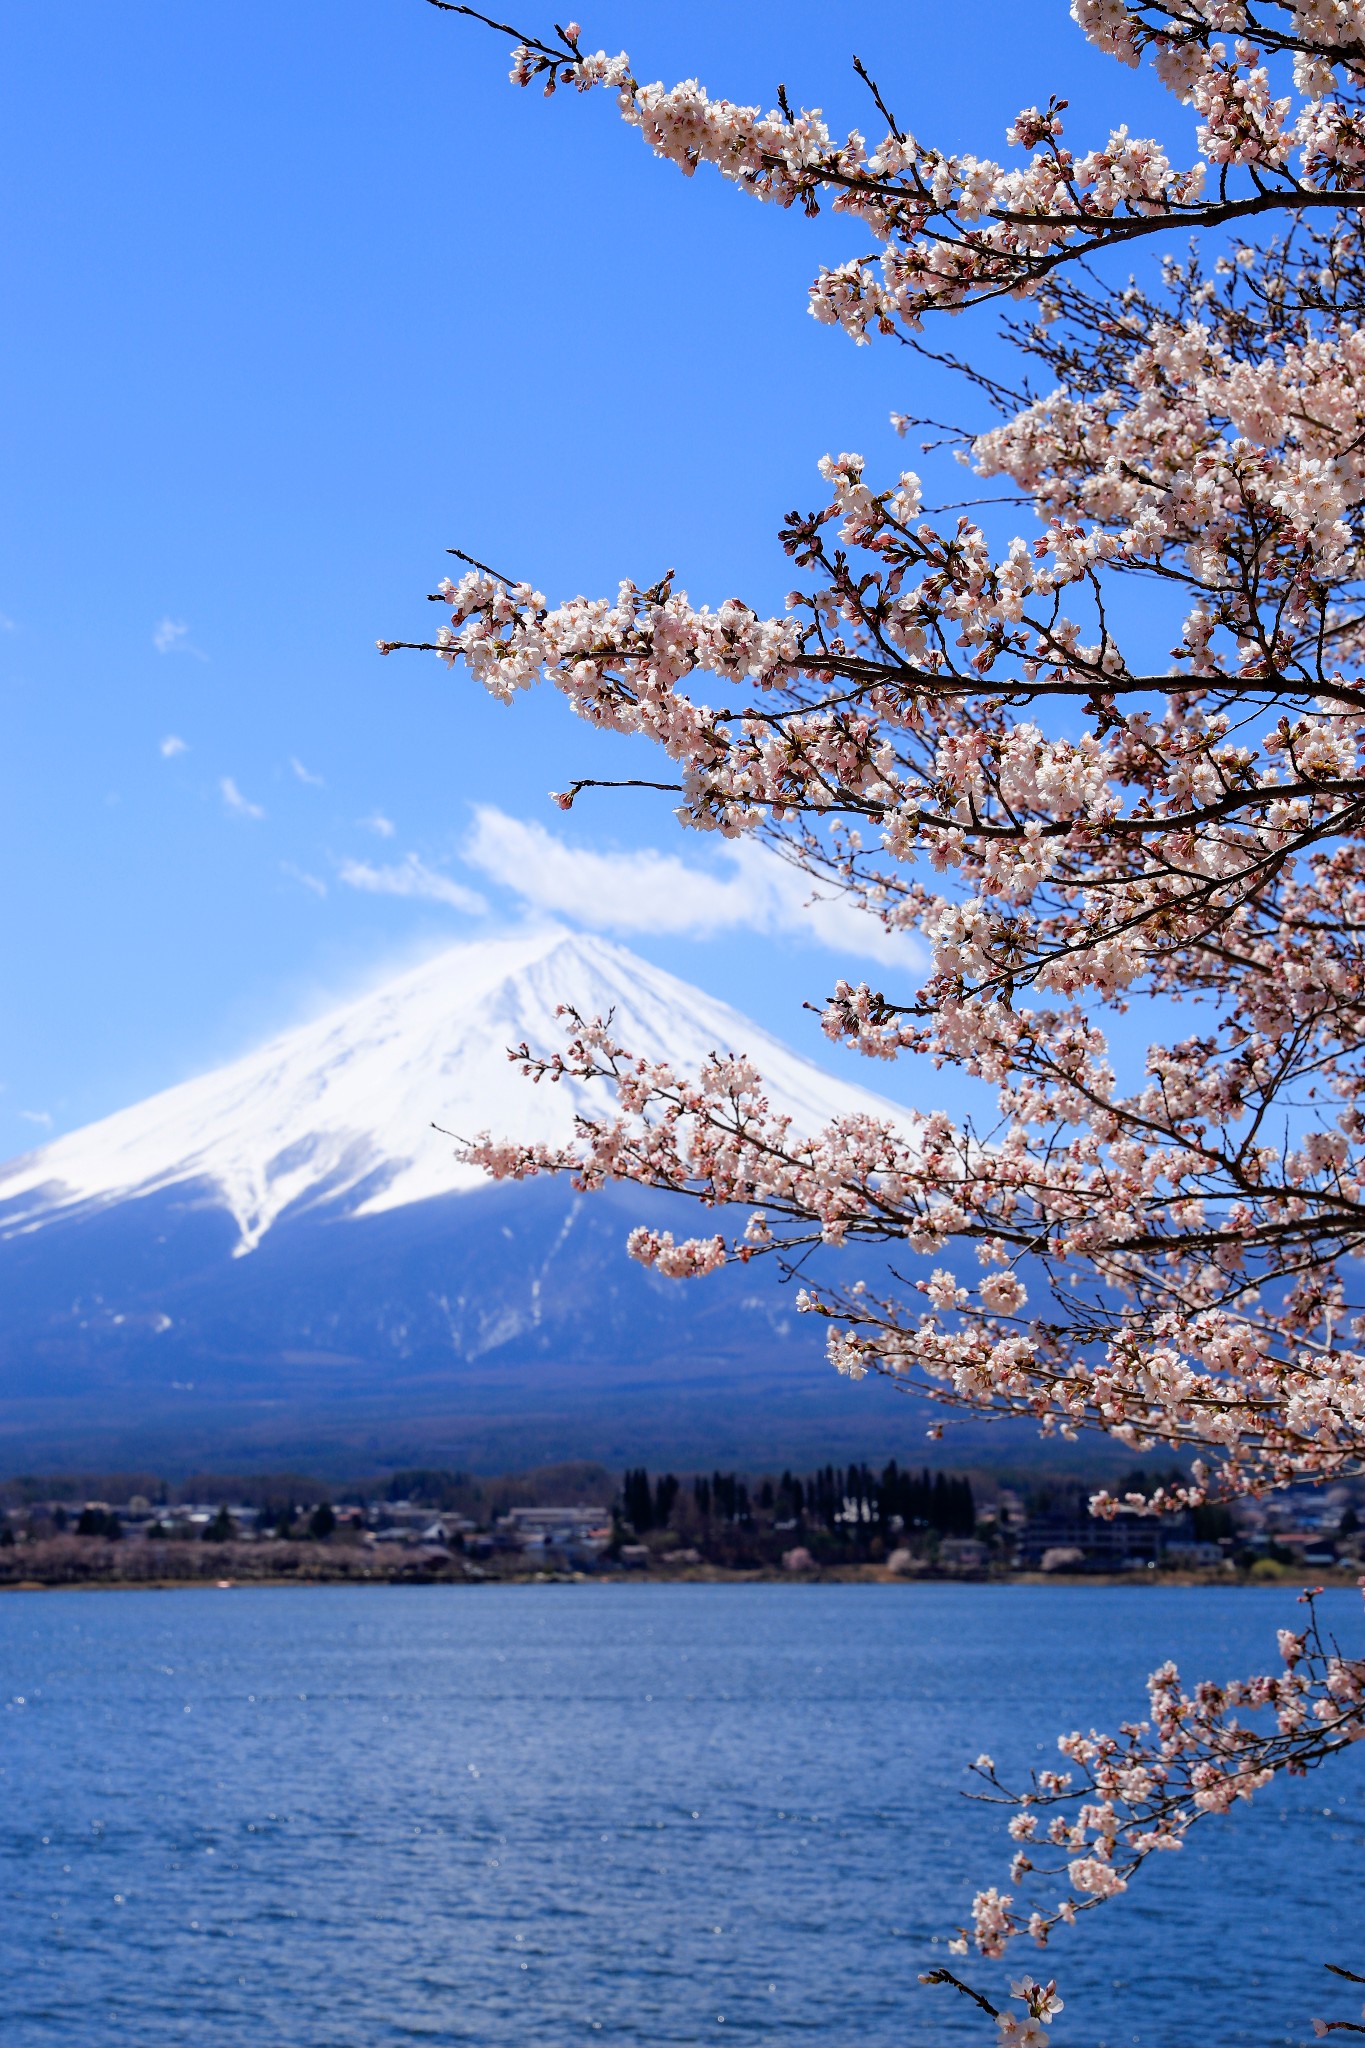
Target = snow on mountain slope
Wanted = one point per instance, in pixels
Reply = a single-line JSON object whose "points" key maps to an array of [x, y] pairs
{"points": [[340, 1112]]}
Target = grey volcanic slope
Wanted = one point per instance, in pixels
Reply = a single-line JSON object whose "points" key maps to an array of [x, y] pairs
{"points": [[503, 1331]]}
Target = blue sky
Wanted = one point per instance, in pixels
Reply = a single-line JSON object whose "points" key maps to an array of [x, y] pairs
{"points": [[299, 296]]}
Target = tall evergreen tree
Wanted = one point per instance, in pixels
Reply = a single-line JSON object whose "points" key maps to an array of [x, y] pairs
{"points": [[637, 1502]]}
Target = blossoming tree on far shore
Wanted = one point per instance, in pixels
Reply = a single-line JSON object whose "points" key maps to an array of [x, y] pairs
{"points": [[959, 737]]}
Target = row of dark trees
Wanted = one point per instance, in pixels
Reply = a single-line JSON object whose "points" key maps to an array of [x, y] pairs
{"points": [[90, 1522], [648, 1507], [941, 1501], [95, 1521], [834, 1497]]}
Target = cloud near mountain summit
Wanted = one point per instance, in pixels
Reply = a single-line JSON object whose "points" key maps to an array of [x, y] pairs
{"points": [[643, 890]]}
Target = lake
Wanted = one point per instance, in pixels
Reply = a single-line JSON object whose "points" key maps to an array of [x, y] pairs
{"points": [[528, 1816]]}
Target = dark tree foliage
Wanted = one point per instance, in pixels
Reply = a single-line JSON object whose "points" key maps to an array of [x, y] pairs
{"points": [[840, 1499], [858, 1498], [1140, 1480], [637, 1501], [99, 1522], [1212, 1522]]}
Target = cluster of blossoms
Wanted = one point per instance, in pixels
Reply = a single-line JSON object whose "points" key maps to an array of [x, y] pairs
{"points": [[957, 735], [1086, 1829], [1016, 2030], [950, 229], [1178, 1353]]}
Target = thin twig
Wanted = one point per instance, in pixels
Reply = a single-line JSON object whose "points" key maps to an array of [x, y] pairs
{"points": [[947, 1977]]}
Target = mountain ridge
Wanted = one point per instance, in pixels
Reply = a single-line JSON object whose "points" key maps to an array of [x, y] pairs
{"points": [[282, 1259], [340, 1111]]}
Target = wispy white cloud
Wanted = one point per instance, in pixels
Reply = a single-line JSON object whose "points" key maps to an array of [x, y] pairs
{"points": [[378, 823], [41, 1117], [303, 878], [172, 636], [173, 745], [7, 624], [313, 781], [239, 805], [647, 891], [411, 877], [791, 902]]}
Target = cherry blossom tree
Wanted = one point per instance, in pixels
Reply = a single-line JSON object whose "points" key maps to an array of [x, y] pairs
{"points": [[959, 737]]}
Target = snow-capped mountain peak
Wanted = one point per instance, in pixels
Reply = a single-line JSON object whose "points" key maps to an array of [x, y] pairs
{"points": [[340, 1112]]}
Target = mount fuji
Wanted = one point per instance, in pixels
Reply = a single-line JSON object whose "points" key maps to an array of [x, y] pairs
{"points": [[283, 1261]]}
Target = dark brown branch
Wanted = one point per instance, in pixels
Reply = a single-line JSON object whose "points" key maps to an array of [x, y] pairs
{"points": [[947, 1977]]}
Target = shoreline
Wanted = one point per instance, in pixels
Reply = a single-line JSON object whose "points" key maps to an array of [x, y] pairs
{"points": [[851, 1575]]}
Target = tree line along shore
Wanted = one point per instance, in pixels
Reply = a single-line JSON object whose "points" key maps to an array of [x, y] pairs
{"points": [[579, 1520]]}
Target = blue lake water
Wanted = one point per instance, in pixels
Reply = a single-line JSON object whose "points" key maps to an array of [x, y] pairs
{"points": [[526, 1816]]}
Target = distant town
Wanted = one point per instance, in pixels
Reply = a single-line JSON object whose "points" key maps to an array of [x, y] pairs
{"points": [[574, 1520]]}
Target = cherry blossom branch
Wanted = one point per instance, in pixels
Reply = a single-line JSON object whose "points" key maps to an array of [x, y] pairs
{"points": [[1177, 1347], [1128, 1797], [957, 231]]}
